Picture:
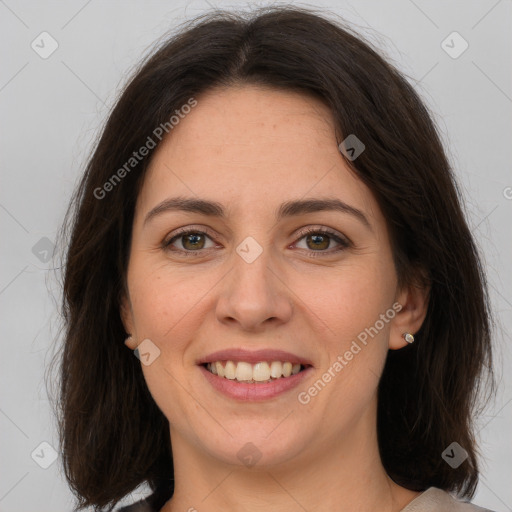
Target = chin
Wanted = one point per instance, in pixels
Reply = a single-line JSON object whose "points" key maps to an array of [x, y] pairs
{"points": [[263, 447]]}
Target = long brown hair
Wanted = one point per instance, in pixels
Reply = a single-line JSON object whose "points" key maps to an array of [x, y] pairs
{"points": [[113, 436]]}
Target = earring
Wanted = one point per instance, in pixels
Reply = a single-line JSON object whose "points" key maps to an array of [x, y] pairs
{"points": [[127, 341], [407, 336]]}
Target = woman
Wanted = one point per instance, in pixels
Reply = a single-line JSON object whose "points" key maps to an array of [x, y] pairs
{"points": [[270, 223]]}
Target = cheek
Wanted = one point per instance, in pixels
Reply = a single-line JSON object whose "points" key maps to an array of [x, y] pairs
{"points": [[348, 308], [163, 298], [347, 300]]}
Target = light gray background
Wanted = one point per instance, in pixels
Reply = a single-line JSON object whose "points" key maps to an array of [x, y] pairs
{"points": [[52, 109]]}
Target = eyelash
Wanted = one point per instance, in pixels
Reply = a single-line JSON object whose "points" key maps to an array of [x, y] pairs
{"points": [[343, 242]]}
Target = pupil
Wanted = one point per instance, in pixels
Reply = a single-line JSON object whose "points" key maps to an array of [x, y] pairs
{"points": [[193, 239], [320, 239]]}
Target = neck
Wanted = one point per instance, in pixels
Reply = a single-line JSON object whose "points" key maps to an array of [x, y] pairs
{"points": [[345, 474]]}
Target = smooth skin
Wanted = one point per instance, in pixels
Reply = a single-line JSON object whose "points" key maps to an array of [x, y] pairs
{"points": [[252, 148]]}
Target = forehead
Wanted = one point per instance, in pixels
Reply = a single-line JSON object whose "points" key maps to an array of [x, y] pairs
{"points": [[250, 148]]}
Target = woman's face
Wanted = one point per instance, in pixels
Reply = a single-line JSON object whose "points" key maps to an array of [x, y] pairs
{"points": [[252, 280]]}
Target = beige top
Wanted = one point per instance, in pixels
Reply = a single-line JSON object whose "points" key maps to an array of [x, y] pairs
{"points": [[436, 500]]}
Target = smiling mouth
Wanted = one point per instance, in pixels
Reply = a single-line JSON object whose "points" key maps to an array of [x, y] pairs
{"points": [[259, 373]]}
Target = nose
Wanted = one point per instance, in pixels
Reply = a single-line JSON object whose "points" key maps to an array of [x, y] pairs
{"points": [[254, 294]]}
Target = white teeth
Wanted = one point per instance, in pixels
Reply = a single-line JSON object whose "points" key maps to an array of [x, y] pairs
{"points": [[243, 371], [276, 369], [230, 370], [259, 372], [219, 368]]}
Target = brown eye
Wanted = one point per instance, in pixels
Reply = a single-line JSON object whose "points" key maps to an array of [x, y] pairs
{"points": [[317, 241], [193, 241], [188, 242]]}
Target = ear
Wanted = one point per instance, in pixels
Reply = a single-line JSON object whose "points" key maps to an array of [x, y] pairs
{"points": [[126, 312], [414, 301]]}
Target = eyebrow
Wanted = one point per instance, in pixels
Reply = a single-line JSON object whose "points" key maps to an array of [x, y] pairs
{"points": [[287, 209]]}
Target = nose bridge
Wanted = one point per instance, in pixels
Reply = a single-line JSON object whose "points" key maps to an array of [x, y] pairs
{"points": [[253, 293], [252, 265], [253, 276]]}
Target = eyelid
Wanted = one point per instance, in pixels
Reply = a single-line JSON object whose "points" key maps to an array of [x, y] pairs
{"points": [[186, 230], [343, 241], [323, 229]]}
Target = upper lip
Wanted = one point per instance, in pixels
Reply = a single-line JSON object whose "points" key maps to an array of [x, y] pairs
{"points": [[253, 356]]}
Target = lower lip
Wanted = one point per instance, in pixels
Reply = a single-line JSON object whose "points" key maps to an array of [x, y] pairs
{"points": [[246, 391]]}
